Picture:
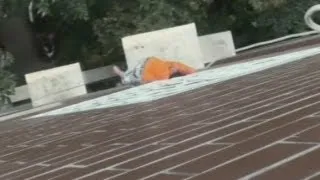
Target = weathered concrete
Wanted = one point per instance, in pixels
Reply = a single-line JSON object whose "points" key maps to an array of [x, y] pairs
{"points": [[55, 84], [179, 43]]}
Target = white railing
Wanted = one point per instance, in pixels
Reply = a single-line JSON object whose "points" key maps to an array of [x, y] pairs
{"points": [[90, 76]]}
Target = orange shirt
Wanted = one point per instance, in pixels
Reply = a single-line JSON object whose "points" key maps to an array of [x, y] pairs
{"points": [[158, 69]]}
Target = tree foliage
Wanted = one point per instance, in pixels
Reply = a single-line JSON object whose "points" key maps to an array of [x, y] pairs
{"points": [[258, 20], [7, 79]]}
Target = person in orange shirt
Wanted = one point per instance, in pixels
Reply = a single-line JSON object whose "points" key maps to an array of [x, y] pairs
{"points": [[153, 69]]}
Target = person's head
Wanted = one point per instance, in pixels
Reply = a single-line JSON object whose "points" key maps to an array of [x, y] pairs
{"points": [[176, 74]]}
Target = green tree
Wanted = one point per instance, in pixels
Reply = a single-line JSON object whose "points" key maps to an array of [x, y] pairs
{"points": [[7, 79], [253, 21]]}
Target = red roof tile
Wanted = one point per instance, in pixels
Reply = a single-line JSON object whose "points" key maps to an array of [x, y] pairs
{"points": [[261, 126]]}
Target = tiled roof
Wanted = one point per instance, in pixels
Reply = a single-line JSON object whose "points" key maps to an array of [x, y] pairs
{"points": [[263, 125]]}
